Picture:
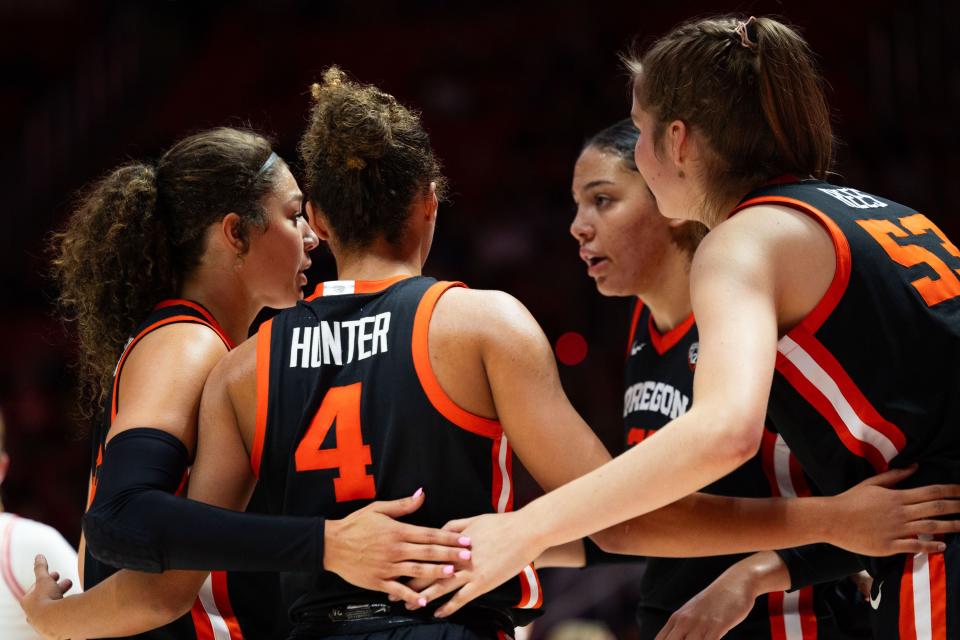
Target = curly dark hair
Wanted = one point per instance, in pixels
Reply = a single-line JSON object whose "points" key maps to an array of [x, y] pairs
{"points": [[136, 235], [365, 156]]}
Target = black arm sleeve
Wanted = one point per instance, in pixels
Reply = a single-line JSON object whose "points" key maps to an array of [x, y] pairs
{"points": [[135, 521], [594, 555], [818, 563]]}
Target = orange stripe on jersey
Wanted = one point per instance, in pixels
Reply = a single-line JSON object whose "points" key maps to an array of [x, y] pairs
{"points": [[201, 621], [841, 276], [807, 613], [531, 593], [263, 394], [374, 286], [813, 371], [428, 379], [791, 615], [665, 342], [938, 596], [823, 406], [221, 597], [637, 308], [317, 293], [92, 492]]}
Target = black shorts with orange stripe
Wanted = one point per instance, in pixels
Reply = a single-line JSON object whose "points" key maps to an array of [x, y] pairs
{"points": [[230, 606], [349, 411]]}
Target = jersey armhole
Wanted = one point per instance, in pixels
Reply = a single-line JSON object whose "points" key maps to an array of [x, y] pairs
{"points": [[115, 392], [428, 379], [264, 335], [841, 247]]}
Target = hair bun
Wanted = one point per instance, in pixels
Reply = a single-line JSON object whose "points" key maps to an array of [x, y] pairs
{"points": [[358, 119]]}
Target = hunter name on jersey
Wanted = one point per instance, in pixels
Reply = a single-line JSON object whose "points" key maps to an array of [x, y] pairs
{"points": [[339, 342], [654, 396]]}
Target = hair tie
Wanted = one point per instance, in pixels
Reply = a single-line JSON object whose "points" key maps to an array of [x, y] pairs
{"points": [[748, 38], [355, 163], [269, 162]]}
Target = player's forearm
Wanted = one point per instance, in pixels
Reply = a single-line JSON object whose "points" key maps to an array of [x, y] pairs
{"points": [[760, 573], [570, 555], [113, 608], [704, 524], [686, 455]]}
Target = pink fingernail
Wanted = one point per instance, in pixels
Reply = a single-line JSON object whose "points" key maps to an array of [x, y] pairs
{"points": [[418, 492], [422, 602], [464, 555], [464, 541], [447, 570]]}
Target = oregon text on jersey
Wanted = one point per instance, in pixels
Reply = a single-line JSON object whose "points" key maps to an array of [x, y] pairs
{"points": [[651, 395]]}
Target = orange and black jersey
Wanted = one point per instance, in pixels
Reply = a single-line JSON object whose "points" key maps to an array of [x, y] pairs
{"points": [[349, 411], [869, 379], [659, 388], [230, 606]]}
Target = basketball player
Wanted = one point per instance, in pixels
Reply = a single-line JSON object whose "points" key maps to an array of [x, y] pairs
{"points": [[386, 381], [631, 250], [213, 231], [846, 304], [21, 540]]}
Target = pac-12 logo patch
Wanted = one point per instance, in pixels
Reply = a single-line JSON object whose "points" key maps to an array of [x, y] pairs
{"points": [[692, 355]]}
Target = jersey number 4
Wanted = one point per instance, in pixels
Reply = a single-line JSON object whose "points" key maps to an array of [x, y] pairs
{"points": [[340, 410], [933, 290]]}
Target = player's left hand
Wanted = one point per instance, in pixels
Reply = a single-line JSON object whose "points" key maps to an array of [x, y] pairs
{"points": [[712, 612], [501, 546], [47, 588]]}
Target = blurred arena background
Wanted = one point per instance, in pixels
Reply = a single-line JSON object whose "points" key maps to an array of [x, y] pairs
{"points": [[509, 90]]}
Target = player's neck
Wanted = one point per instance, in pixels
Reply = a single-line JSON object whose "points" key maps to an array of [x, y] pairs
{"points": [[669, 302], [377, 264], [226, 300]]}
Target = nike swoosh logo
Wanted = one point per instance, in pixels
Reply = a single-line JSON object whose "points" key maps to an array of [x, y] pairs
{"points": [[876, 603], [637, 348]]}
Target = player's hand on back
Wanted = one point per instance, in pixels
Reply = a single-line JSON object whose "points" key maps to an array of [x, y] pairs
{"points": [[371, 549], [47, 588], [500, 550], [874, 519]]}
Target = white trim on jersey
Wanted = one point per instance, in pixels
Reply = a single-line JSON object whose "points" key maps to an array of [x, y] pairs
{"points": [[821, 380], [339, 287], [217, 623], [532, 583], [505, 487]]}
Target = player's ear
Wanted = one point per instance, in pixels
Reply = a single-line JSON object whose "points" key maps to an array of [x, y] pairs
{"points": [[318, 222], [432, 203], [4, 465], [234, 234]]}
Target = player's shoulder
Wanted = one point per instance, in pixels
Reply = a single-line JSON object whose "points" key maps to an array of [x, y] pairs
{"points": [[483, 314], [479, 307], [181, 343]]}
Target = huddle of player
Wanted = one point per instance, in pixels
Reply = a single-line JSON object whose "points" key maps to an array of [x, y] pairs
{"points": [[823, 318]]}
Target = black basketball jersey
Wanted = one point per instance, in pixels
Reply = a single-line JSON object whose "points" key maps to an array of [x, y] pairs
{"points": [[349, 411], [230, 606], [659, 388], [870, 378]]}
